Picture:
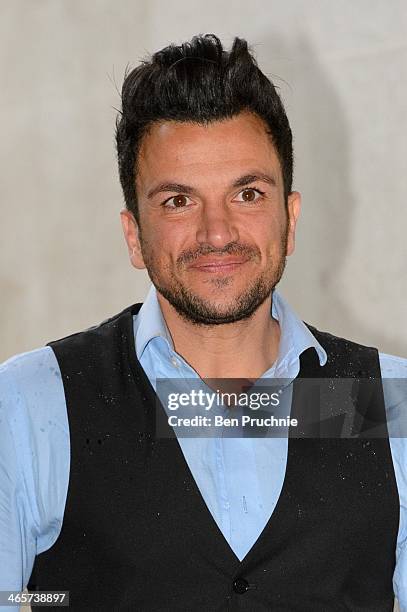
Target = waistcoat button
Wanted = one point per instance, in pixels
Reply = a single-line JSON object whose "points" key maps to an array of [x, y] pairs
{"points": [[240, 586]]}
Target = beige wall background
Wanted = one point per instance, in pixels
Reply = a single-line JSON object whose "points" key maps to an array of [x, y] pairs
{"points": [[341, 68]]}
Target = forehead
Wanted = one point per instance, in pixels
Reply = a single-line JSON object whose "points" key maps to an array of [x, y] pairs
{"points": [[220, 148]]}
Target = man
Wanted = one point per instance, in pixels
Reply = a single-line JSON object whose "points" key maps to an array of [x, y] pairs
{"points": [[94, 500]]}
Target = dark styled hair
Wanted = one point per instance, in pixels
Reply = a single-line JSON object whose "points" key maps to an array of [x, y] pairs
{"points": [[200, 82]]}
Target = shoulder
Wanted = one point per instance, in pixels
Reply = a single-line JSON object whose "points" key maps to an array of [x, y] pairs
{"points": [[25, 366], [332, 341], [346, 357], [97, 332], [100, 344], [392, 366], [30, 378]]}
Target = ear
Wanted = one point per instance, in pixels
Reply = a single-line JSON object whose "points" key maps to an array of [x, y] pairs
{"points": [[293, 209], [131, 233]]}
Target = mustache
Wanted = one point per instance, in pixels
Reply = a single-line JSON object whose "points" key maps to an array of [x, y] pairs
{"points": [[233, 248]]}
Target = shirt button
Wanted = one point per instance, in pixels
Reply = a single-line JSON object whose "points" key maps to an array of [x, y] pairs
{"points": [[240, 586], [174, 362]]}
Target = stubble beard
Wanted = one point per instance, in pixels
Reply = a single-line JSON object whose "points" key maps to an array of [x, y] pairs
{"points": [[202, 311]]}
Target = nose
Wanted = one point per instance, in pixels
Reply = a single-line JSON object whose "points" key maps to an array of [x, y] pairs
{"points": [[216, 226]]}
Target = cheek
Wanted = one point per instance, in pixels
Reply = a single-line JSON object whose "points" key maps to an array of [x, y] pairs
{"points": [[273, 241], [268, 236], [173, 238], [152, 239], [161, 244]]}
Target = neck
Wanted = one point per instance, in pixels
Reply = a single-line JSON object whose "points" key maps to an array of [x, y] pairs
{"points": [[245, 349]]}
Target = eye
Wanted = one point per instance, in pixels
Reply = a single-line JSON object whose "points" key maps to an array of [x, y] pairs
{"points": [[249, 194], [178, 201]]}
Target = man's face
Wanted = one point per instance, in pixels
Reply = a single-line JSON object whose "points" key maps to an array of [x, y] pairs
{"points": [[214, 228]]}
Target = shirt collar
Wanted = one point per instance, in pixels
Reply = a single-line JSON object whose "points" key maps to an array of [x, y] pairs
{"points": [[149, 323], [295, 337]]}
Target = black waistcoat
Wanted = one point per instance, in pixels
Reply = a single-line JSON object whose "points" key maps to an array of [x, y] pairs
{"points": [[137, 534]]}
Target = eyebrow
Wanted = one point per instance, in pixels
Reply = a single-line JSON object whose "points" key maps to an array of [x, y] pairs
{"points": [[246, 179]]}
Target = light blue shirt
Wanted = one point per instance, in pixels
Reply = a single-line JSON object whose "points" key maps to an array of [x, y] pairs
{"points": [[240, 479]]}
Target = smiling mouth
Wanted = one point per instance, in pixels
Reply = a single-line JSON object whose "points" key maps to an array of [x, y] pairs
{"points": [[214, 266]]}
